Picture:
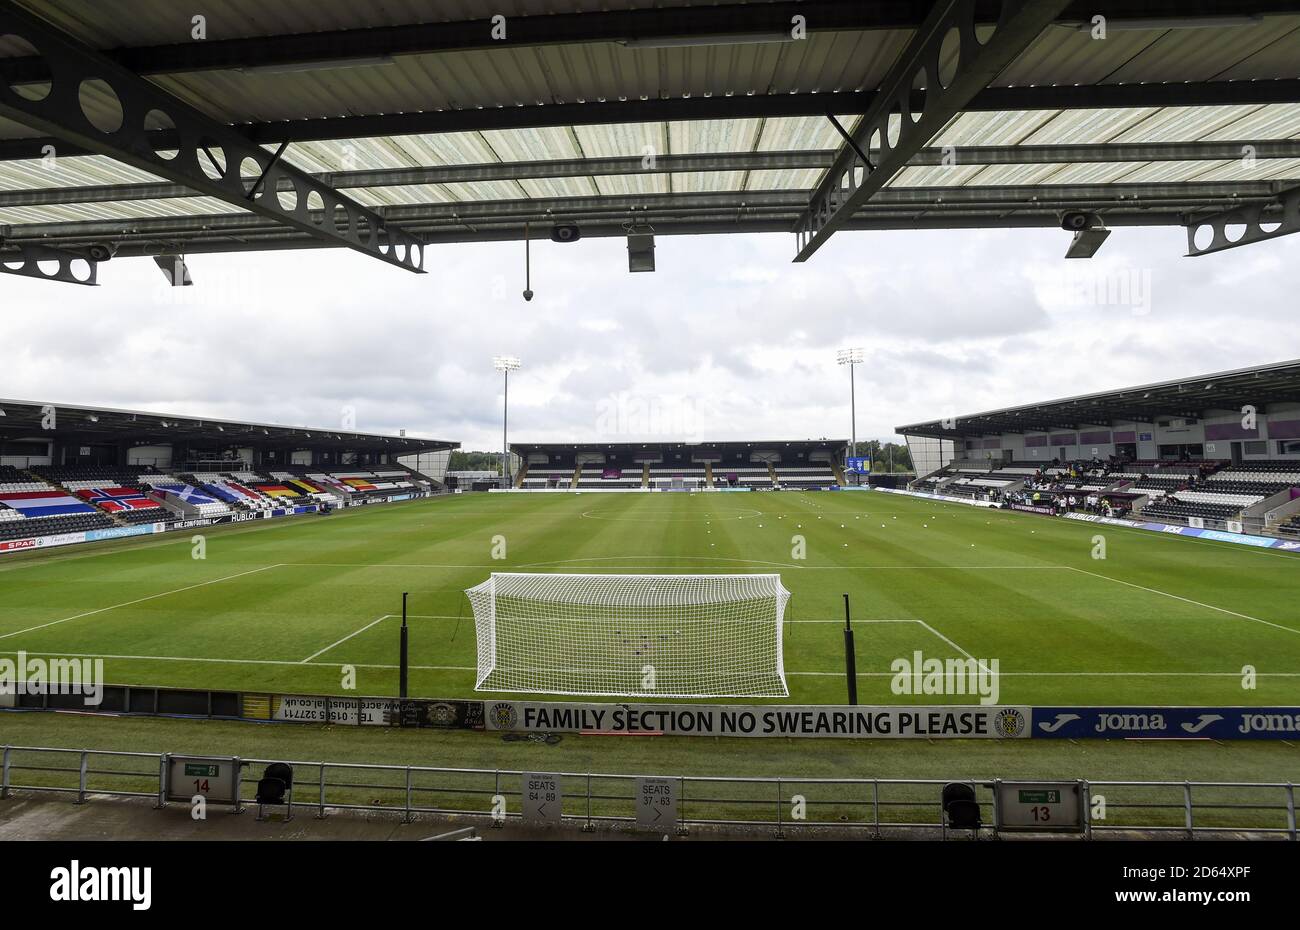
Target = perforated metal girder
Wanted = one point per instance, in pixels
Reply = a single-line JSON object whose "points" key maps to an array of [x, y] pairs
{"points": [[92, 103]]}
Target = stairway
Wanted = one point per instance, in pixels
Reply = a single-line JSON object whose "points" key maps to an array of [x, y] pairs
{"points": [[523, 472], [839, 474], [708, 474], [645, 474], [577, 474], [771, 473]]}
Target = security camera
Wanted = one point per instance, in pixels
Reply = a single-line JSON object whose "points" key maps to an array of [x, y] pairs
{"points": [[565, 232], [528, 294], [101, 251], [1077, 220]]}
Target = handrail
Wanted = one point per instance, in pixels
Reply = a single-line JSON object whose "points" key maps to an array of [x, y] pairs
{"points": [[592, 798]]}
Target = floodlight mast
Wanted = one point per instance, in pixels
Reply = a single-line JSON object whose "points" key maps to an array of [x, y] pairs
{"points": [[505, 364], [851, 357]]}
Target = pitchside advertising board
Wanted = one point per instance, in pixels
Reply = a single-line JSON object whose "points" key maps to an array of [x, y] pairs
{"points": [[1167, 722], [845, 721]]}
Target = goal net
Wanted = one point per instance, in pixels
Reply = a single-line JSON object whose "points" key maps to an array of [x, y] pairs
{"points": [[692, 636]]}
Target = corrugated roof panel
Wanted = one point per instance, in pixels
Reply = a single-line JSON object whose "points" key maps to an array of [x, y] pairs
{"points": [[1274, 121], [533, 144], [69, 171], [1073, 57], [1181, 124], [783, 180], [787, 133], [1009, 127], [1111, 172], [155, 21], [623, 184], [1082, 126], [484, 190], [1270, 48], [698, 181], [1166, 172], [560, 187], [1063, 55], [936, 176], [707, 136], [1264, 169], [623, 139], [394, 196], [124, 210]]}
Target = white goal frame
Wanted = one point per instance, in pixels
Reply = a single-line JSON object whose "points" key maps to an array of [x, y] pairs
{"points": [[657, 636]]}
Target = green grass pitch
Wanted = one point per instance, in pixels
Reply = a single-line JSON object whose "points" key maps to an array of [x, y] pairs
{"points": [[283, 606]]}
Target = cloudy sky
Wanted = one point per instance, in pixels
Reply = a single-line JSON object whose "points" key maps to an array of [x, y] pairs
{"points": [[727, 340]]}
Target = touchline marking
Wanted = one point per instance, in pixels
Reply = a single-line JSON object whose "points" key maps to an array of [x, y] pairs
{"points": [[140, 600], [840, 674], [345, 638], [1186, 600]]}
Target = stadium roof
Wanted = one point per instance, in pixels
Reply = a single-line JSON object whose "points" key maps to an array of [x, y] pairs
{"points": [[374, 127], [523, 448], [23, 419], [1185, 397]]}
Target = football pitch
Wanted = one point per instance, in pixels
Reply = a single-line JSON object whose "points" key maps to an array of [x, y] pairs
{"points": [[284, 606]]}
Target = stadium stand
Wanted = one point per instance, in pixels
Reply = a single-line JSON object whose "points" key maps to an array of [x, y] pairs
{"points": [[1148, 450], [85, 477], [673, 466]]}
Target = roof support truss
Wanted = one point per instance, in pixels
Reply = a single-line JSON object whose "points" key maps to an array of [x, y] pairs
{"points": [[896, 126], [1246, 224], [209, 157], [50, 264]]}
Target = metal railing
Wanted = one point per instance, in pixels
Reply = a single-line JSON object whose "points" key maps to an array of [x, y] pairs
{"points": [[868, 807]]}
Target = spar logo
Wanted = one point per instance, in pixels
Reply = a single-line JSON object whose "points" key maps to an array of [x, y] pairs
{"points": [[79, 882]]}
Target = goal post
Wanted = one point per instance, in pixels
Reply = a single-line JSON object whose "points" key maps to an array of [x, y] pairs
{"points": [[678, 636]]}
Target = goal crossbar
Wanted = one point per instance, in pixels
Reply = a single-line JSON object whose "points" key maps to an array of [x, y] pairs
{"points": [[693, 636]]}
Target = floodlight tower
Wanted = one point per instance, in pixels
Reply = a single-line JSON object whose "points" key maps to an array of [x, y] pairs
{"points": [[851, 357], [505, 364]]}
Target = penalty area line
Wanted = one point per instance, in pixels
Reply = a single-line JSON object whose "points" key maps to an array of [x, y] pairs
{"points": [[1186, 600], [139, 600], [339, 642]]}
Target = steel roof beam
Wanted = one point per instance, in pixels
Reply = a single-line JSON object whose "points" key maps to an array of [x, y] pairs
{"points": [[333, 48], [895, 124], [737, 106], [1245, 224], [895, 207], [211, 158], [717, 162]]}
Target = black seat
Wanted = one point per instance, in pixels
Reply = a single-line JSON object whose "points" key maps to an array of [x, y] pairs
{"points": [[275, 787], [960, 809]]}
